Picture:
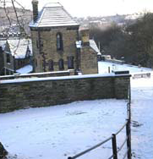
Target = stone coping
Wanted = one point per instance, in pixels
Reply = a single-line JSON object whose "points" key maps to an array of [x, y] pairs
{"points": [[74, 77]]}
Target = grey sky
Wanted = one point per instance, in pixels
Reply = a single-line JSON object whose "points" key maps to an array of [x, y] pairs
{"points": [[98, 7]]}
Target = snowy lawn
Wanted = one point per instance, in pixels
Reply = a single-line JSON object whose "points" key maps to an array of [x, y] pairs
{"points": [[142, 118], [61, 131], [142, 109]]}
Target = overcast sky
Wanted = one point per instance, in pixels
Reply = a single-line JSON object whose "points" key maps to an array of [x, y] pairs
{"points": [[81, 8]]}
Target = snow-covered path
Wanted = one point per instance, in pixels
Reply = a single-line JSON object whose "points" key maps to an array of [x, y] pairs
{"points": [[142, 119]]}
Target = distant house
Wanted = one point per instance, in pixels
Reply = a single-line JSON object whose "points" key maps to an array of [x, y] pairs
{"points": [[57, 42], [2, 45], [15, 54]]}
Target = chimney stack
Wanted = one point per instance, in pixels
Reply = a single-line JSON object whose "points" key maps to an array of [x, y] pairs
{"points": [[35, 9], [85, 36]]}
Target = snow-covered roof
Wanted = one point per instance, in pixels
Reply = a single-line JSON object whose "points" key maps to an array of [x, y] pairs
{"points": [[18, 47], [94, 46], [26, 69], [53, 15], [2, 43], [78, 44]]}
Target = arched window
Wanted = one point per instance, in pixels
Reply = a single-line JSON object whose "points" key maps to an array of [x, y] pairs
{"points": [[35, 62], [59, 42], [61, 64], [51, 65], [70, 62]]}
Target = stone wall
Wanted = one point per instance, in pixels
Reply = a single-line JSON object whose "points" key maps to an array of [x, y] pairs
{"points": [[23, 93], [38, 75], [88, 60], [45, 50]]}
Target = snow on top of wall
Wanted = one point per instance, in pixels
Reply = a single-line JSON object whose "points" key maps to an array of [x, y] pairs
{"points": [[20, 80], [52, 15], [34, 74]]}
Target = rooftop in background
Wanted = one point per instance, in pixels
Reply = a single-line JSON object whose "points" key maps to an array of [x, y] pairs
{"points": [[94, 46], [18, 47], [2, 43], [53, 15], [25, 70]]}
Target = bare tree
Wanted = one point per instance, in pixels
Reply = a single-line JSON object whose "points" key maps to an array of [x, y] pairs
{"points": [[14, 18]]}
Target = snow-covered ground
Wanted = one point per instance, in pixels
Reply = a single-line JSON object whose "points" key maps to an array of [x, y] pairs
{"points": [[104, 67], [142, 117], [65, 130], [61, 131]]}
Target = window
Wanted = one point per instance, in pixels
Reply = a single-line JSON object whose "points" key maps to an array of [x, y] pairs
{"points": [[61, 64], [70, 62], [8, 60], [19, 63], [51, 65], [1, 49], [35, 62], [7, 72], [37, 44], [59, 42]]}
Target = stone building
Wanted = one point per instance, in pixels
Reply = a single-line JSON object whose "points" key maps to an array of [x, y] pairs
{"points": [[14, 55], [2, 57], [57, 42]]}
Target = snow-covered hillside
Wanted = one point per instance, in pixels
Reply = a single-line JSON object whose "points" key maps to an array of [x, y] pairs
{"points": [[65, 130]]}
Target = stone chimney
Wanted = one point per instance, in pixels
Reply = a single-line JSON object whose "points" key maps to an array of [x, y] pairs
{"points": [[35, 9], [85, 36]]}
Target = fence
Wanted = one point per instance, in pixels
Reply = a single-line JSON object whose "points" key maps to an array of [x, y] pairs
{"points": [[141, 75], [113, 138]]}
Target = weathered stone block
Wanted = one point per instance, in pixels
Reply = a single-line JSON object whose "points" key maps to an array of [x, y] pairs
{"points": [[3, 151]]}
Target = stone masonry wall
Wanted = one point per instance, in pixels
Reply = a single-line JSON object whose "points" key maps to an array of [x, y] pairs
{"points": [[48, 51], [38, 75], [88, 60], [60, 90]]}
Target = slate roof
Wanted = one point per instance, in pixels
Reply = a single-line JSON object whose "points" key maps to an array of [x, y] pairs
{"points": [[53, 15], [94, 46]]}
